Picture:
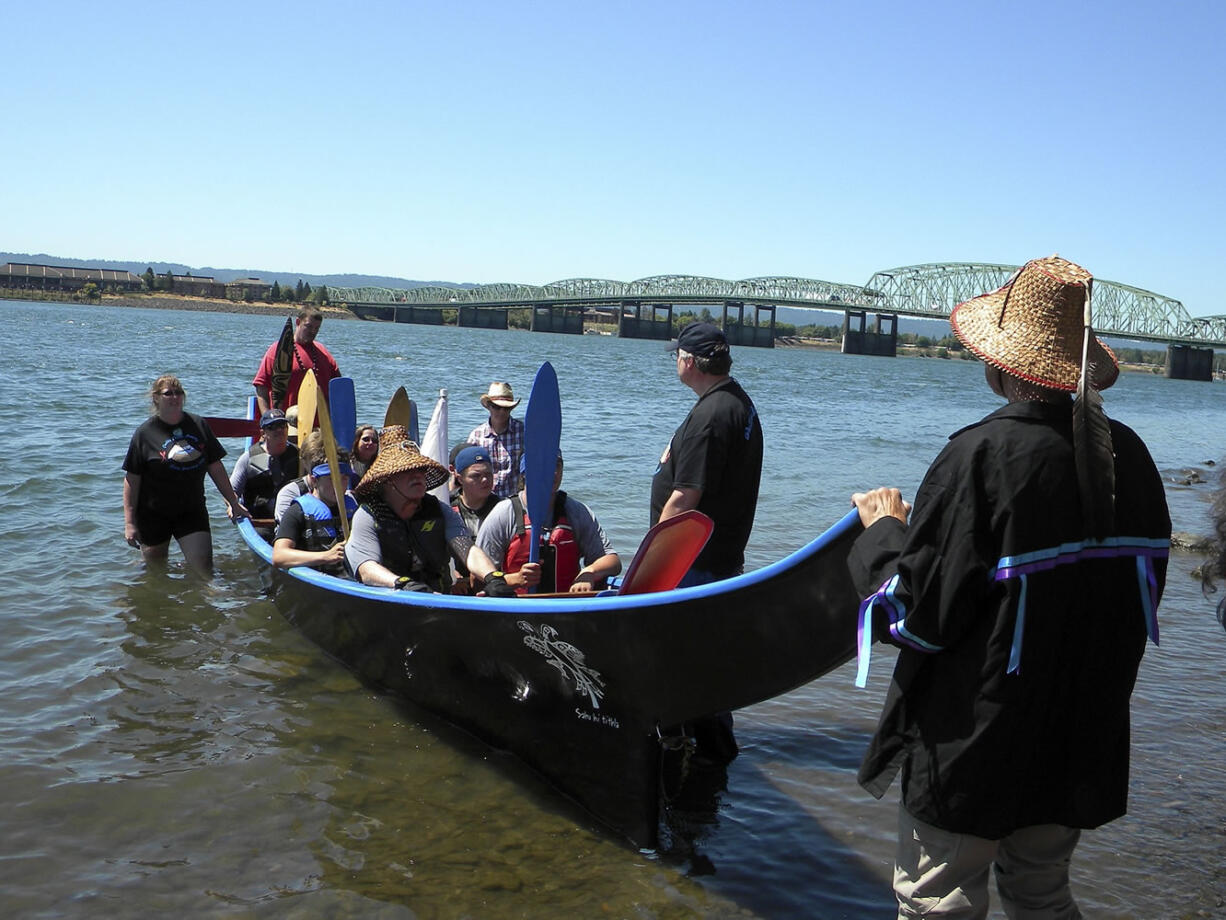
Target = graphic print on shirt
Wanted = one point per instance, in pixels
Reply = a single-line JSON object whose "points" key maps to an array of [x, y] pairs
{"points": [[182, 451], [664, 456]]}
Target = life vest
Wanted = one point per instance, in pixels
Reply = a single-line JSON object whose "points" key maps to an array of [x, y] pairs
{"points": [[559, 552], [322, 527], [263, 482], [418, 547]]}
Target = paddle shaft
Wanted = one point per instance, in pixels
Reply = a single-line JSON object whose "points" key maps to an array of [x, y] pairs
{"points": [[308, 396], [542, 434], [334, 467]]}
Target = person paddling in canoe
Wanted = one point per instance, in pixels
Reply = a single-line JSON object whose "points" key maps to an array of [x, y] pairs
{"points": [[576, 556], [163, 486], [404, 538], [260, 472], [309, 532]]}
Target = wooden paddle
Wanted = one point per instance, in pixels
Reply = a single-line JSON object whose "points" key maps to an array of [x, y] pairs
{"points": [[398, 410], [542, 434], [666, 553], [334, 466], [342, 408], [403, 411], [282, 366], [308, 398]]}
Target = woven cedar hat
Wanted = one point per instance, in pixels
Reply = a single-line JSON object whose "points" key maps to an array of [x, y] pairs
{"points": [[500, 395], [1033, 326], [397, 454]]}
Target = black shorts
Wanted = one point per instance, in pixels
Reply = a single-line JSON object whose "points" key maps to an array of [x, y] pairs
{"points": [[154, 529]]}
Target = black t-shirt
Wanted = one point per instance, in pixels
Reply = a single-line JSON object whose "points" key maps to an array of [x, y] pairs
{"points": [[718, 450], [171, 461]]}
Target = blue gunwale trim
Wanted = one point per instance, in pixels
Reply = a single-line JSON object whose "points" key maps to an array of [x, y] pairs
{"points": [[528, 605]]}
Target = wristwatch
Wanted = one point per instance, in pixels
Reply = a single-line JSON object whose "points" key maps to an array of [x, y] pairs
{"points": [[402, 582]]}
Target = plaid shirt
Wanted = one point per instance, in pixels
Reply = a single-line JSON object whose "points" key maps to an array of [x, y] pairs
{"points": [[505, 451]]}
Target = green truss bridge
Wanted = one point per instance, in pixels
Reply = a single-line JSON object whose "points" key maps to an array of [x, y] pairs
{"points": [[644, 308]]}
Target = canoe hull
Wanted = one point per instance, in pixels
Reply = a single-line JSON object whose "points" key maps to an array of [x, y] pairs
{"points": [[578, 688]]}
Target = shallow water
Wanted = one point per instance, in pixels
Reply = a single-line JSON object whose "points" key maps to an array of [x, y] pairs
{"points": [[177, 747]]}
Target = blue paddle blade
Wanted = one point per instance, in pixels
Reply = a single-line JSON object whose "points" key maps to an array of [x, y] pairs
{"points": [[343, 409], [414, 431], [542, 435]]}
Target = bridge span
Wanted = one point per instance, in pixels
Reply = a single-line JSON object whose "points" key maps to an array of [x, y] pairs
{"points": [[644, 308]]}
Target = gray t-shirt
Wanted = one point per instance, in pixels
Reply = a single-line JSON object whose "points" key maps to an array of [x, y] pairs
{"points": [[285, 497], [363, 544], [498, 530]]}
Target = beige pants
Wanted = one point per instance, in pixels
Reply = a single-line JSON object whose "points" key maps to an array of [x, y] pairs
{"points": [[942, 874]]}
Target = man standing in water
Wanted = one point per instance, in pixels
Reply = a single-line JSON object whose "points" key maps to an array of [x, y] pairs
{"points": [[713, 463], [308, 355], [1020, 594]]}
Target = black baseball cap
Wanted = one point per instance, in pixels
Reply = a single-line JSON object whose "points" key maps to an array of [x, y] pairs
{"points": [[701, 339]]}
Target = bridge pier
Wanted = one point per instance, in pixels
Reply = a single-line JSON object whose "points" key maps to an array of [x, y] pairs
{"points": [[417, 316], [632, 325], [483, 317], [567, 320], [379, 312], [858, 340], [1187, 362], [755, 335]]}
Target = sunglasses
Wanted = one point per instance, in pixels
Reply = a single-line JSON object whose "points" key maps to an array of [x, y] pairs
{"points": [[170, 392]]}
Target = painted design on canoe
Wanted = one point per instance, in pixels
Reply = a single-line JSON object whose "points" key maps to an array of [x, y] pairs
{"points": [[566, 658]]}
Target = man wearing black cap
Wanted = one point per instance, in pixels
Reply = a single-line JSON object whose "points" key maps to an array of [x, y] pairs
{"points": [[714, 460], [712, 463]]}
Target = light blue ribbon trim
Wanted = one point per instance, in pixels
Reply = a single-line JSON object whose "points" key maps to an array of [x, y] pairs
{"points": [[897, 613], [1015, 653], [1144, 549]]}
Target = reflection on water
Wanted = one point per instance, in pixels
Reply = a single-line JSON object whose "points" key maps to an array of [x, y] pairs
{"points": [[171, 746]]}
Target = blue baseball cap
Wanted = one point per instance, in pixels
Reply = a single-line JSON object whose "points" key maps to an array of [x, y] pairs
{"points": [[323, 469], [469, 455], [273, 417]]}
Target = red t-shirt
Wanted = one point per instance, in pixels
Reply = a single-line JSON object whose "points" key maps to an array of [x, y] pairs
{"points": [[306, 357]]}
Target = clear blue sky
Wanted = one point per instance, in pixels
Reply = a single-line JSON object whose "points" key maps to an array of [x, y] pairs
{"points": [[531, 142]]}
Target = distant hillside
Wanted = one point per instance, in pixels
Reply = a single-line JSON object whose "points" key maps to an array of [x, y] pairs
{"points": [[228, 274]]}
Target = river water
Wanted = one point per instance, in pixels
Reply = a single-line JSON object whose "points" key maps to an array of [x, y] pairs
{"points": [[172, 747]]}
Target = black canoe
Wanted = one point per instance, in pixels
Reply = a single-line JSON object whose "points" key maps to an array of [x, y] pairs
{"points": [[578, 688]]}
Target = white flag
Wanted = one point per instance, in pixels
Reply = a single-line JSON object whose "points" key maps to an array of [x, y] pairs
{"points": [[434, 444]]}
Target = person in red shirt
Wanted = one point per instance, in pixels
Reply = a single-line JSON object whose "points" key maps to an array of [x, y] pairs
{"points": [[308, 355]]}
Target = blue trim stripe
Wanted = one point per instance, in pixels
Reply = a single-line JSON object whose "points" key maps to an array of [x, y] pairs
{"points": [[1015, 652], [1066, 553], [897, 613], [1149, 595], [1144, 549]]}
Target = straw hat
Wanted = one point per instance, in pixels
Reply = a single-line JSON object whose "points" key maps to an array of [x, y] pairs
{"points": [[500, 395], [397, 454], [1033, 326]]}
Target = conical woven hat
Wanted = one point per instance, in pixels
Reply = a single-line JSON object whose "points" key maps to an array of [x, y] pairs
{"points": [[1033, 326], [397, 454]]}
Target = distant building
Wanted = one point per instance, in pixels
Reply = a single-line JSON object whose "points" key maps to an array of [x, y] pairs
{"points": [[198, 286], [248, 289], [62, 278]]}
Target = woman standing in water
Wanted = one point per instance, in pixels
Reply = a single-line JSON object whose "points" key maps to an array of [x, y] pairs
{"points": [[163, 489]]}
